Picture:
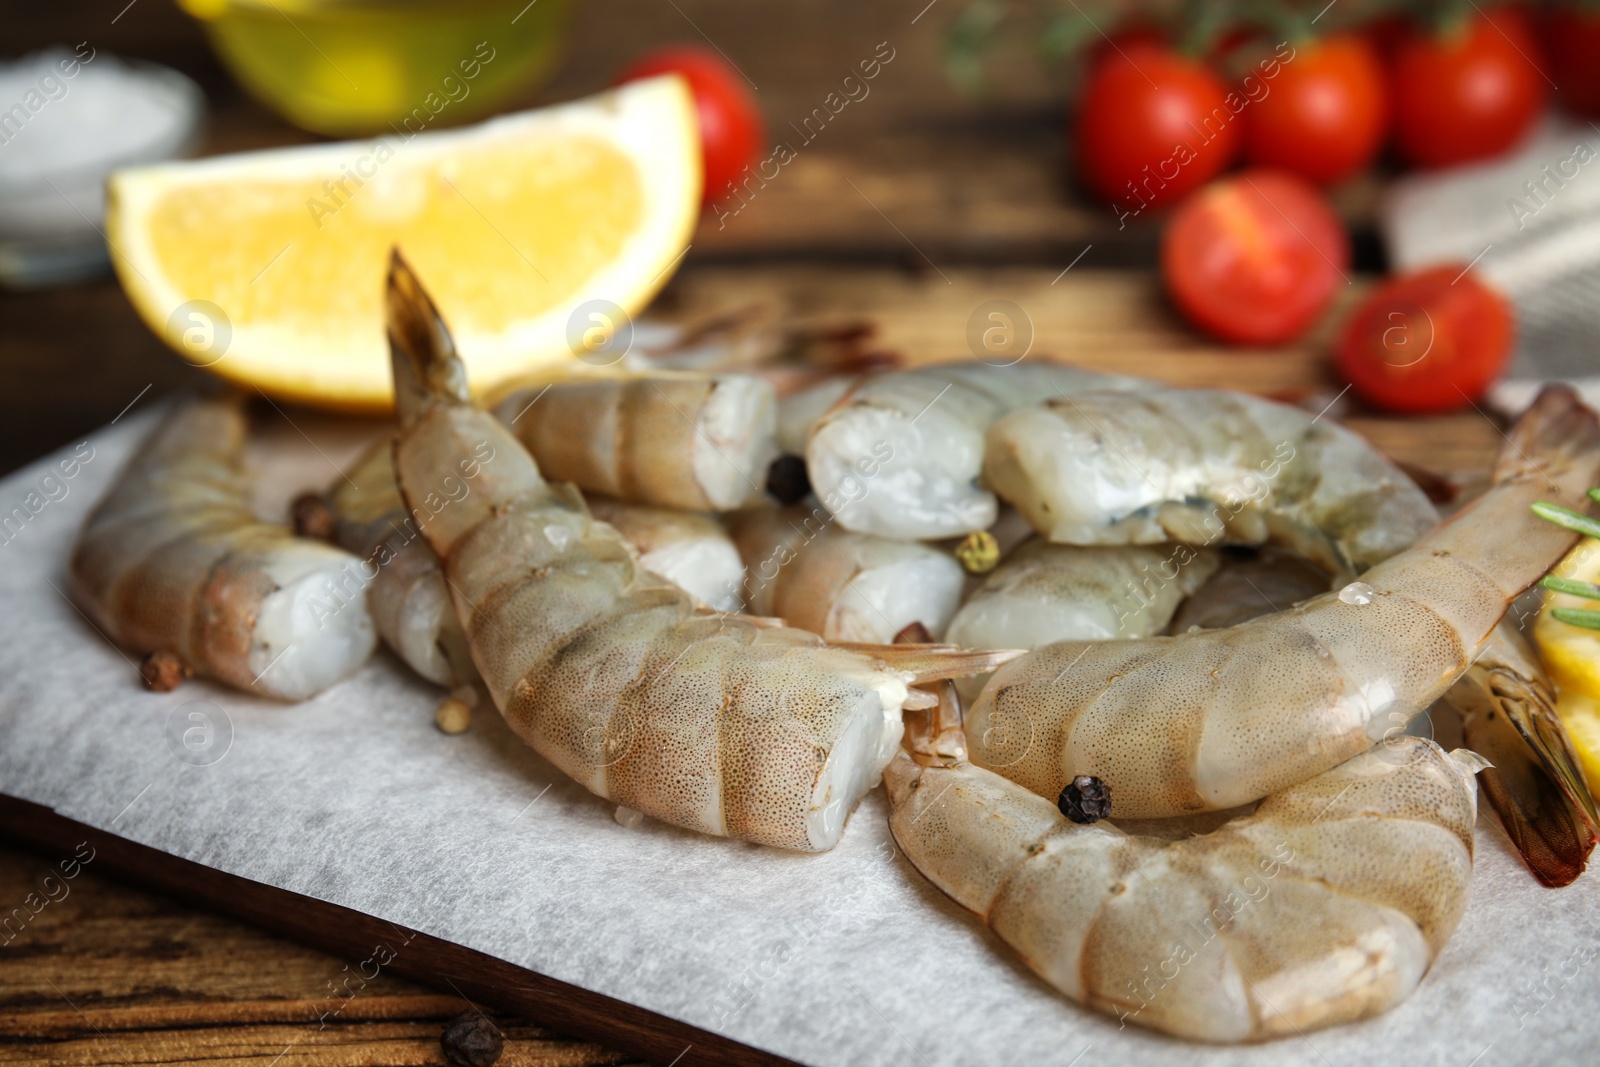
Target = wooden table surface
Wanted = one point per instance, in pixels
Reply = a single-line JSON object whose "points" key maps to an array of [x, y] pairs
{"points": [[915, 206]]}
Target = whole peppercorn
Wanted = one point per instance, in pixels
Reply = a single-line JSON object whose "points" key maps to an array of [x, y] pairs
{"points": [[163, 671], [471, 1040], [310, 516], [787, 480], [1086, 799]]}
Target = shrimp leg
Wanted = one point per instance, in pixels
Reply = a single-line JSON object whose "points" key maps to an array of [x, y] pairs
{"points": [[173, 561], [711, 722]]}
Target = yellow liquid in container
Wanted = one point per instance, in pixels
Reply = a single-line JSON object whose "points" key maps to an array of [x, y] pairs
{"points": [[353, 67]]}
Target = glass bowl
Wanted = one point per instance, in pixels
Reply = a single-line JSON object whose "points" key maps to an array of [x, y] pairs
{"points": [[348, 68]]}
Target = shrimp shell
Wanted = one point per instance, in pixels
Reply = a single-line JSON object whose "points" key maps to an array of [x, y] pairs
{"points": [[692, 442], [1217, 718], [407, 595], [688, 549], [711, 722], [1043, 593], [173, 560], [1203, 466], [801, 567], [1326, 905]]}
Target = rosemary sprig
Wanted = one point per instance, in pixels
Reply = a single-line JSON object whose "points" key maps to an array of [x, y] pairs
{"points": [[1566, 518]]}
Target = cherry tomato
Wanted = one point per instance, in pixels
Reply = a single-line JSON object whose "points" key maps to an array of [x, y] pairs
{"points": [[1324, 115], [1427, 342], [1470, 94], [1572, 45], [730, 123], [1255, 258], [1153, 125]]}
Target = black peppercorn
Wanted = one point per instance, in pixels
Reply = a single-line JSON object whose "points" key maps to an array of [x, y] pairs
{"points": [[471, 1040], [787, 480], [1086, 799]]}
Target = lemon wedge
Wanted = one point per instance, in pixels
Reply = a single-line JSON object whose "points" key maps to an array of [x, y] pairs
{"points": [[1572, 655], [267, 267]]}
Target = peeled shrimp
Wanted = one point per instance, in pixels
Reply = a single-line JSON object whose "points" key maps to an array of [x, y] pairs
{"points": [[1216, 718], [687, 441], [899, 454], [801, 567], [708, 721], [1325, 905], [690, 550], [1043, 593], [1203, 466], [174, 561]]}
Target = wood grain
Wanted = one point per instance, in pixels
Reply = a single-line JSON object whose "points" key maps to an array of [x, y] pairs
{"points": [[98, 970]]}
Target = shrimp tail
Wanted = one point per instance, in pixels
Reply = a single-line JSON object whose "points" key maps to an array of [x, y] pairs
{"points": [[426, 364], [1557, 432], [1534, 783]]}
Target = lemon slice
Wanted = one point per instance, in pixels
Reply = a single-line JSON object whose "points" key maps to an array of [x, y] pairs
{"points": [[268, 267], [1572, 655], [1580, 714]]}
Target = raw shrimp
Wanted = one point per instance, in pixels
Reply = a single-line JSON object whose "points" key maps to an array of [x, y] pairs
{"points": [[410, 601], [174, 561], [407, 595], [1043, 593], [688, 441], [801, 567], [1203, 466], [709, 721], [1325, 905], [899, 454], [1505, 702], [1216, 718], [688, 549]]}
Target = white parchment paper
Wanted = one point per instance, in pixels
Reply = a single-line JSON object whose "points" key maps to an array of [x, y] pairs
{"points": [[845, 958]]}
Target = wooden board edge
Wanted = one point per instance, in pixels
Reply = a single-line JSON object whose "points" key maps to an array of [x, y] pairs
{"points": [[431, 961]]}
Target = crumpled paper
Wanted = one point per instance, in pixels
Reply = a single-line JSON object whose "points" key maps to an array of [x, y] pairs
{"points": [[846, 957]]}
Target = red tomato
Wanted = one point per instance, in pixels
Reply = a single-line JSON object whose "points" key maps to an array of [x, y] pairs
{"points": [[730, 123], [1427, 342], [1572, 44], [1324, 115], [1254, 258], [1153, 125], [1468, 95]]}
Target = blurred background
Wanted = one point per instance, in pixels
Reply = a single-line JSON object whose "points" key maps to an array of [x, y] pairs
{"points": [[963, 160]]}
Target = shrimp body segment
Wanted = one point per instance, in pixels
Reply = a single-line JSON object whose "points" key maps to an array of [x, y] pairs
{"points": [[899, 454], [687, 441], [1325, 905], [173, 560], [688, 549], [1216, 718], [1043, 593], [1203, 467], [712, 722], [407, 595], [800, 566]]}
